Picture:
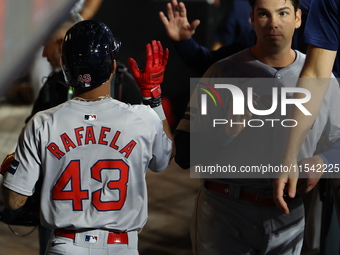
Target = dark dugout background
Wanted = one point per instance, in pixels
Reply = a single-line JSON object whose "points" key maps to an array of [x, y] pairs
{"points": [[136, 23]]}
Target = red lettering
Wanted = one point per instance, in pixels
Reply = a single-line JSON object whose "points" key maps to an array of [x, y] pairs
{"points": [[128, 148], [78, 135], [67, 142], [54, 149], [90, 135], [103, 135], [76, 194], [84, 78], [114, 140]]}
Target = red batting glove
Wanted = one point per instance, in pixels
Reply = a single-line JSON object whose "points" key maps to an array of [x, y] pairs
{"points": [[5, 165], [149, 80]]}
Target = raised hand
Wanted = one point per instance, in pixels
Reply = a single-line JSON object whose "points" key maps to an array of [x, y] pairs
{"points": [[286, 183], [149, 79], [177, 25]]}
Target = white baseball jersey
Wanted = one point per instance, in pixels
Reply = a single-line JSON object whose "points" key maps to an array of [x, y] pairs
{"points": [[263, 145], [93, 157]]}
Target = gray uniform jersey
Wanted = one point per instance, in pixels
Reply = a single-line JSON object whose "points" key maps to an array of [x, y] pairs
{"points": [[256, 146], [93, 157]]}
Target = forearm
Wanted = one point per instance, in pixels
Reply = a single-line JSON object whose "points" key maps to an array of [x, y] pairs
{"points": [[314, 77], [200, 58], [319, 63], [12, 199], [197, 57], [297, 134], [149, 81], [166, 127], [167, 130]]}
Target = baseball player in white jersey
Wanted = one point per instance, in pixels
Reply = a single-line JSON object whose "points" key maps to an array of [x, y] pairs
{"points": [[93, 151], [239, 216]]}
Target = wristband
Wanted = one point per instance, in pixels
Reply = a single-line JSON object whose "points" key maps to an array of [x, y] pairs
{"points": [[160, 112], [153, 102], [156, 105]]}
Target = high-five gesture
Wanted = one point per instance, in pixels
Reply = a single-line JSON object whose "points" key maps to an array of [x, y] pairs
{"points": [[177, 25], [149, 79]]}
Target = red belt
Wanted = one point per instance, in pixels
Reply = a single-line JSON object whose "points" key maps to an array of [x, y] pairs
{"points": [[244, 195], [113, 238]]}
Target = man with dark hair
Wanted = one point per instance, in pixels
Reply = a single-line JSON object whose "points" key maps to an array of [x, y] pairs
{"points": [[295, 3], [238, 215]]}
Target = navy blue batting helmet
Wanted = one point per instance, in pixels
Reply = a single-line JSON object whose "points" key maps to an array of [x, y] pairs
{"points": [[88, 54]]}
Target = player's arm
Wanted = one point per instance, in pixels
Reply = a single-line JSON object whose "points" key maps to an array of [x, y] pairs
{"points": [[180, 31], [11, 199], [149, 80], [314, 77]]}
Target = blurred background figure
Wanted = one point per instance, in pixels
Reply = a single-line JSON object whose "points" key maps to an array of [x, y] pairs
{"points": [[235, 26], [40, 68]]}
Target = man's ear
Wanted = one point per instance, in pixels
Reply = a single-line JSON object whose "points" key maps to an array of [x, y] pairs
{"points": [[251, 16], [298, 18], [60, 43]]}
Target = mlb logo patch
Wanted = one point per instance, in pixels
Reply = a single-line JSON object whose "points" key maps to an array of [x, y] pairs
{"points": [[14, 166], [90, 117], [91, 239]]}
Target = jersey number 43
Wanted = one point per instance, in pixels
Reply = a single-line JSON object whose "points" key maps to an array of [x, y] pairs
{"points": [[72, 176]]}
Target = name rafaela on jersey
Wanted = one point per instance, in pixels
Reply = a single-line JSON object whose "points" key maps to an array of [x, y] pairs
{"points": [[86, 135]]}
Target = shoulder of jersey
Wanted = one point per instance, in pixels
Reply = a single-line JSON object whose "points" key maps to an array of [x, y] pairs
{"points": [[45, 114]]}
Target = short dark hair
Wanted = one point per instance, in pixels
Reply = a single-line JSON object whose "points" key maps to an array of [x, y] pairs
{"points": [[295, 3]]}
